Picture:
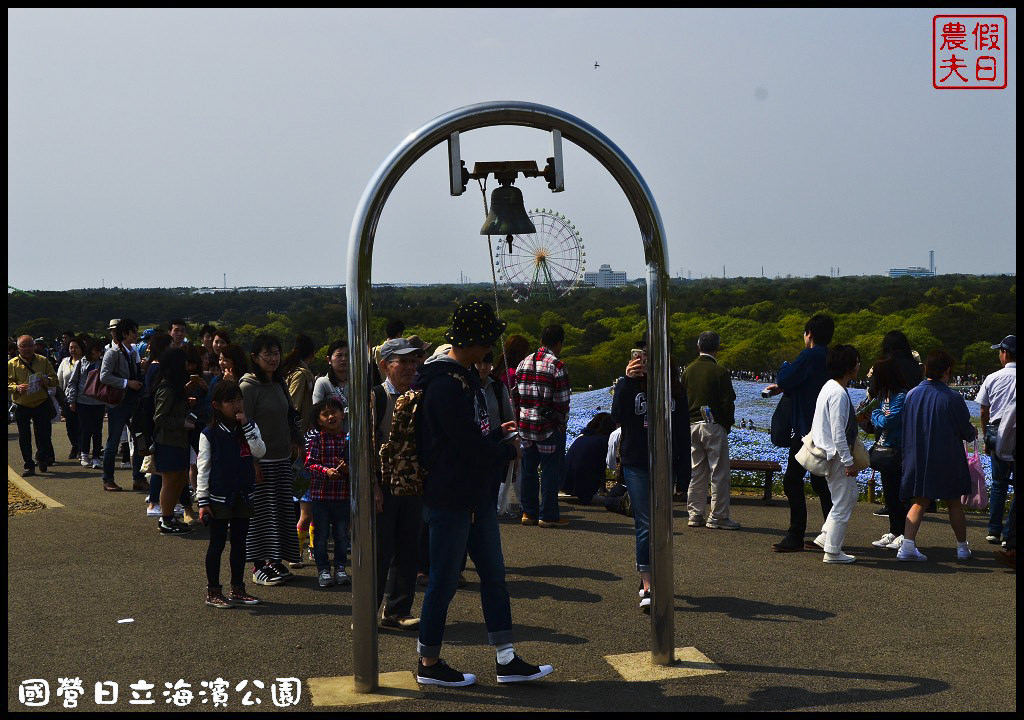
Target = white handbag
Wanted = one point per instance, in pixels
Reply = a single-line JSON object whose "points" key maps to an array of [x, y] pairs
{"points": [[812, 457]]}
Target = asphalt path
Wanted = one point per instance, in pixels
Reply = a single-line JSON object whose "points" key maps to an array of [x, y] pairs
{"points": [[790, 632]]}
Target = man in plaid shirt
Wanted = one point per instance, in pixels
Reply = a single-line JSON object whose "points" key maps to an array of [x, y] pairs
{"points": [[542, 404]]}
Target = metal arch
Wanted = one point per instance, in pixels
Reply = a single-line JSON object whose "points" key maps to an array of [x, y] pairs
{"points": [[360, 252]]}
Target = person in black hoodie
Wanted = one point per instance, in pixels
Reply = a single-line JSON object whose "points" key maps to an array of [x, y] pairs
{"points": [[629, 409], [461, 453]]}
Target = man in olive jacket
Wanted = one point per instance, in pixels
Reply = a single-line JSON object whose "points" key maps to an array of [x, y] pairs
{"points": [[712, 414], [28, 377]]}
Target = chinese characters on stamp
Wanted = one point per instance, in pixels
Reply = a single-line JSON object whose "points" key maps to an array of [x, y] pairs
{"points": [[969, 52]]}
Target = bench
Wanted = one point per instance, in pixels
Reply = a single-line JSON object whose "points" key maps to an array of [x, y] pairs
{"points": [[768, 467]]}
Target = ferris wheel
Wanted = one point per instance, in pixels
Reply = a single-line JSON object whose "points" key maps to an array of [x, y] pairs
{"points": [[548, 263]]}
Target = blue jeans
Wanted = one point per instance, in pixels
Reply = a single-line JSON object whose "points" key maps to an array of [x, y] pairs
{"points": [[997, 498], [638, 484], [117, 417], [451, 532], [551, 471], [332, 514]]}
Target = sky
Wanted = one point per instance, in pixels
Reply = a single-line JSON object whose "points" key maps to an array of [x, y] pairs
{"points": [[184, 147]]}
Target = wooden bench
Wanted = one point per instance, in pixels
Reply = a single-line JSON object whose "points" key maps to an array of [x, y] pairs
{"points": [[768, 467]]}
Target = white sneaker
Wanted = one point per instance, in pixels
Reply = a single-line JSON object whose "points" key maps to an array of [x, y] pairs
{"points": [[962, 553], [179, 510], [820, 541], [97, 464], [883, 542], [839, 557], [725, 524], [153, 511], [84, 460], [911, 554], [695, 521], [896, 544]]}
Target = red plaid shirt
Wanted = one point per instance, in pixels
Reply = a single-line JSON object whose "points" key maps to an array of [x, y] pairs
{"points": [[323, 452], [541, 395]]}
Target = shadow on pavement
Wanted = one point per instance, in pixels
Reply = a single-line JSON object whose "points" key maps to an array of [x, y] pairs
{"points": [[562, 571], [839, 688], [741, 609], [533, 590]]}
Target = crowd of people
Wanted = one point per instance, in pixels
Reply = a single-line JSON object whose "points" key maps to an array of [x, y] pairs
{"points": [[260, 444]]}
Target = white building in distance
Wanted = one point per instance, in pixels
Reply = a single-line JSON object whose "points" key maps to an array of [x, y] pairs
{"points": [[605, 277]]}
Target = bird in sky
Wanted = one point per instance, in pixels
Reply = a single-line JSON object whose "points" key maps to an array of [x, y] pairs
{"points": [[596, 66]]}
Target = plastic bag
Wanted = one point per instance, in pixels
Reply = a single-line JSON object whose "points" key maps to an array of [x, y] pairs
{"points": [[505, 491], [978, 497]]}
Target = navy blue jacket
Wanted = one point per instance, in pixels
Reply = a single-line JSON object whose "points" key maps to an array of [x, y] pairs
{"points": [[801, 381], [232, 474], [461, 463], [585, 462]]}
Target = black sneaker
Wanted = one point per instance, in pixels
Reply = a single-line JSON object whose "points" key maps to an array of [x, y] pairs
{"points": [[881, 512], [28, 472], [282, 570], [440, 674], [266, 575], [174, 527], [518, 670]]}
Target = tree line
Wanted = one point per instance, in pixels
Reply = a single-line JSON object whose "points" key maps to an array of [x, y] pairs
{"points": [[760, 320]]}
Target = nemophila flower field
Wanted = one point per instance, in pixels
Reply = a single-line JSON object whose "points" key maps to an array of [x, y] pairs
{"points": [[750, 443]]}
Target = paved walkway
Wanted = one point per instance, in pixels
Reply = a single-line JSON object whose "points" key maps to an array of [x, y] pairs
{"points": [[789, 632]]}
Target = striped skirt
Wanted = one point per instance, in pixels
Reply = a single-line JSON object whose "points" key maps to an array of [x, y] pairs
{"points": [[272, 527]]}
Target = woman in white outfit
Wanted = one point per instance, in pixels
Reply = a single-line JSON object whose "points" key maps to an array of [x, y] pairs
{"points": [[834, 430]]}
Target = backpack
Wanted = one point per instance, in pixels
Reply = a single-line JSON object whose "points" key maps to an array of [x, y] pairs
{"points": [[400, 465]]}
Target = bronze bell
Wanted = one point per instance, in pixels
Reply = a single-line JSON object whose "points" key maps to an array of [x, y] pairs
{"points": [[507, 215]]}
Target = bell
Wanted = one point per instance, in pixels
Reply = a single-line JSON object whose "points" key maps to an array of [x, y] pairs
{"points": [[507, 215]]}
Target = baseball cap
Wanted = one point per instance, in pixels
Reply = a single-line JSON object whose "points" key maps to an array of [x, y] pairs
{"points": [[1007, 343], [398, 346]]}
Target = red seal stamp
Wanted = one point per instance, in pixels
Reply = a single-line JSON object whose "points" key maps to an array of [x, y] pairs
{"points": [[969, 52]]}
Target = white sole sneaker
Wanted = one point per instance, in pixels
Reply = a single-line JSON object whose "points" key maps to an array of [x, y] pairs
{"points": [[907, 557], [884, 541], [820, 541], [839, 557], [468, 679], [542, 671], [896, 544]]}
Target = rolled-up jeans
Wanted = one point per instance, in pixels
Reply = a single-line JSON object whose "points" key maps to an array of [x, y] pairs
{"points": [[638, 485], [451, 532]]}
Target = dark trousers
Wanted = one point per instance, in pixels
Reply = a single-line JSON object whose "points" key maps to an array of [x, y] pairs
{"points": [[38, 416], [1000, 488], [542, 472], [90, 428], [71, 428], [117, 418], [330, 518], [897, 508], [451, 532], [793, 486], [239, 528], [398, 548]]}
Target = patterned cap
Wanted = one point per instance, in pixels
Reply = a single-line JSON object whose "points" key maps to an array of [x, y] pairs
{"points": [[474, 323]]}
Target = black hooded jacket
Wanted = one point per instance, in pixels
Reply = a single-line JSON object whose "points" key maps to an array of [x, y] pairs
{"points": [[461, 463]]}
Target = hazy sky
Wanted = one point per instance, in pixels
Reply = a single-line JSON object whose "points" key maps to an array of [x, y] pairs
{"points": [[155, 148]]}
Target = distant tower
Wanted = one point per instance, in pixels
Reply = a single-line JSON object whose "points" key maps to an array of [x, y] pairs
{"points": [[931, 261]]}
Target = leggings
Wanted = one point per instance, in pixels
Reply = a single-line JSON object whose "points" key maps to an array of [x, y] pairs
{"points": [[239, 527]]}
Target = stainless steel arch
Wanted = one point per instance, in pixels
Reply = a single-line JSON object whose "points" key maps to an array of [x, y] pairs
{"points": [[360, 252]]}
